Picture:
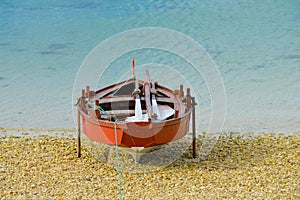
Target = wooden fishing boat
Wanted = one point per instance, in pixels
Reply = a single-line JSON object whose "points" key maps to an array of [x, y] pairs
{"points": [[134, 113]]}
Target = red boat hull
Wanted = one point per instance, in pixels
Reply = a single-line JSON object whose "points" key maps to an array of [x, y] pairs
{"points": [[135, 134]]}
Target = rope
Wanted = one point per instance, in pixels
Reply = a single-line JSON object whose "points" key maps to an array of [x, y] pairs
{"points": [[117, 149], [101, 109], [94, 106], [117, 160]]}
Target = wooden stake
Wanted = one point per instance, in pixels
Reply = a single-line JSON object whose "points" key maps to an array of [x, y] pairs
{"points": [[188, 98], [87, 89], [78, 136], [181, 91], [82, 103], [92, 94], [194, 126]]}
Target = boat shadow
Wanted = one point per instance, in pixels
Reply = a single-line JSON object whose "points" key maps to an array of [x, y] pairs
{"points": [[151, 159], [227, 151]]}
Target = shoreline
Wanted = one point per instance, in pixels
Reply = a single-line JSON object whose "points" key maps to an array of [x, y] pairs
{"points": [[266, 166]]}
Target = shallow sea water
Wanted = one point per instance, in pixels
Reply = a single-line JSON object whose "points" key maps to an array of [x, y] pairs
{"points": [[255, 45]]}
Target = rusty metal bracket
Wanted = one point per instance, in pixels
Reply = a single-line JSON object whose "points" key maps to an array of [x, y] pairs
{"points": [[136, 91]]}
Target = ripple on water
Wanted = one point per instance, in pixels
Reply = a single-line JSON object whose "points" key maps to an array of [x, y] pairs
{"points": [[49, 53], [295, 56], [56, 49], [4, 44], [59, 46]]}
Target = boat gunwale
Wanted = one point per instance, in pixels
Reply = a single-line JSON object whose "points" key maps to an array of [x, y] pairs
{"points": [[170, 97]]}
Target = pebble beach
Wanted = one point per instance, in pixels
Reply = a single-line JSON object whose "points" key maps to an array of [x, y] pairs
{"points": [[240, 166], [239, 58]]}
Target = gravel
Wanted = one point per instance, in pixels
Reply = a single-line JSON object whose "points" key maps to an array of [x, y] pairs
{"points": [[46, 167]]}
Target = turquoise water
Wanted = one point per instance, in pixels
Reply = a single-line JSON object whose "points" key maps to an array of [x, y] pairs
{"points": [[255, 44]]}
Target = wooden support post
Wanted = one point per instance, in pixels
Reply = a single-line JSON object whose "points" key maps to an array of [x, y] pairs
{"points": [[194, 126], [78, 136], [92, 94], [87, 93], [81, 107], [97, 111], [188, 98], [181, 91], [82, 101]]}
